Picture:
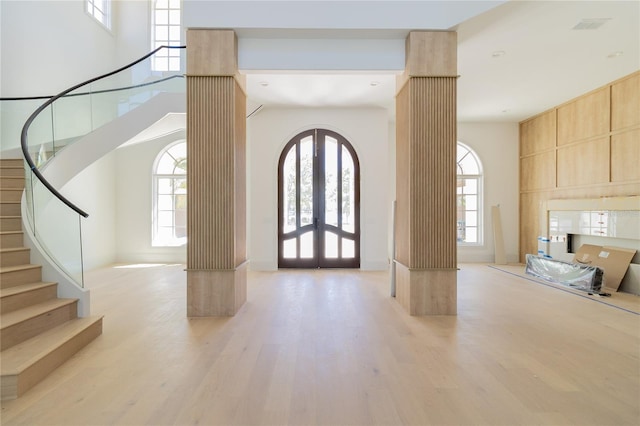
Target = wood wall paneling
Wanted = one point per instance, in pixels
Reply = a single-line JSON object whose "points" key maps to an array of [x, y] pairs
{"points": [[403, 199], [585, 117], [211, 174], [625, 156], [592, 159], [625, 103], [240, 177], [538, 171], [433, 173], [538, 134], [585, 163], [529, 222]]}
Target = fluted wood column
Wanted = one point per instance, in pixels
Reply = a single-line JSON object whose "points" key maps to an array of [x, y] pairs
{"points": [[426, 248], [216, 196]]}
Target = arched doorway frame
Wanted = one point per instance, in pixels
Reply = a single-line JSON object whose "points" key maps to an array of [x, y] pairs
{"points": [[318, 253]]}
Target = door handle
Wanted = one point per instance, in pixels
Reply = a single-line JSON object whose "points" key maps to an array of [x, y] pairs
{"points": [[315, 223]]}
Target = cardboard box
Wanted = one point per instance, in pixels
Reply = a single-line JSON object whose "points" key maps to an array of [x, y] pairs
{"points": [[613, 260]]}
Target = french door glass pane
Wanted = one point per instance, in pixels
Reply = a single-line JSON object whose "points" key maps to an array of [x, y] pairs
{"points": [[289, 192], [289, 249], [348, 248], [331, 181], [330, 245], [348, 191], [306, 183], [306, 245]]}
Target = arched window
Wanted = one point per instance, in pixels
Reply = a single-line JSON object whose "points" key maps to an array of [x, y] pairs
{"points": [[469, 195], [170, 196]]}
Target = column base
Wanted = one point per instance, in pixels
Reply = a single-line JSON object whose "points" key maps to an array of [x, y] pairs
{"points": [[427, 291], [215, 293]]}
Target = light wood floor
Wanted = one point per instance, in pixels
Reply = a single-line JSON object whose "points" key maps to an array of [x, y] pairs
{"points": [[312, 347]]}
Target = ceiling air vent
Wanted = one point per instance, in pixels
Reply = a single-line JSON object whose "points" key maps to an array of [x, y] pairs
{"points": [[590, 24]]}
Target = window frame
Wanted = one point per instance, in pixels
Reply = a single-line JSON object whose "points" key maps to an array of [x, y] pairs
{"points": [[478, 177], [91, 8], [155, 177], [166, 56]]}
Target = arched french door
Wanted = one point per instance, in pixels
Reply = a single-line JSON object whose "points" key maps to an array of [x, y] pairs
{"points": [[318, 202]]}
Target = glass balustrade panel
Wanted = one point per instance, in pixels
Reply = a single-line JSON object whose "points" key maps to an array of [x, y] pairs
{"points": [[41, 136], [58, 230]]}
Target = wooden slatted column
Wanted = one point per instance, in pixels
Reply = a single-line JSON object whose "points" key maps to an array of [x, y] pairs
{"points": [[216, 195], [426, 247]]}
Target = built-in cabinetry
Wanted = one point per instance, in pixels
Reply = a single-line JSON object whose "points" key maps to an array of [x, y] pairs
{"points": [[588, 147]]}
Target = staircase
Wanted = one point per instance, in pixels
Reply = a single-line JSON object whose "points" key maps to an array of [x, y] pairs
{"points": [[38, 330]]}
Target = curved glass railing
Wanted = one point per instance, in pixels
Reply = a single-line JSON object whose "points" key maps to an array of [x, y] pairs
{"points": [[56, 222]]}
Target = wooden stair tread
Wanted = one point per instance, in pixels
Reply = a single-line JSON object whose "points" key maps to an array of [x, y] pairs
{"points": [[5, 269], [10, 232], [11, 291], [19, 357], [12, 318], [12, 249]]}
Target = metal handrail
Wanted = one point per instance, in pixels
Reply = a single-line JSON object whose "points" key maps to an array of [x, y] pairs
{"points": [[25, 128]]}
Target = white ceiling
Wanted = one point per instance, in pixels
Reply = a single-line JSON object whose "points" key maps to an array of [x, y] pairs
{"points": [[545, 62]]}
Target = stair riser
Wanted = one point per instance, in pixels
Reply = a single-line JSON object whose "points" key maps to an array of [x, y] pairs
{"points": [[10, 224], [11, 162], [11, 240], [14, 278], [12, 182], [15, 386], [25, 330], [15, 258], [10, 195], [10, 209], [18, 301], [12, 172]]}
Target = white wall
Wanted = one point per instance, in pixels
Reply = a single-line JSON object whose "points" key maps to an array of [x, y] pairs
{"points": [[496, 144], [268, 131], [46, 46], [95, 187], [134, 201]]}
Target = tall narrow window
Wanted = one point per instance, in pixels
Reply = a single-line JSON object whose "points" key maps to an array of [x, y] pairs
{"points": [[100, 10], [469, 193], [170, 196], [166, 32]]}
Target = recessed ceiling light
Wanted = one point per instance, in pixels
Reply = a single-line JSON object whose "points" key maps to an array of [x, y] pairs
{"points": [[498, 53], [374, 83], [264, 83], [615, 54]]}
